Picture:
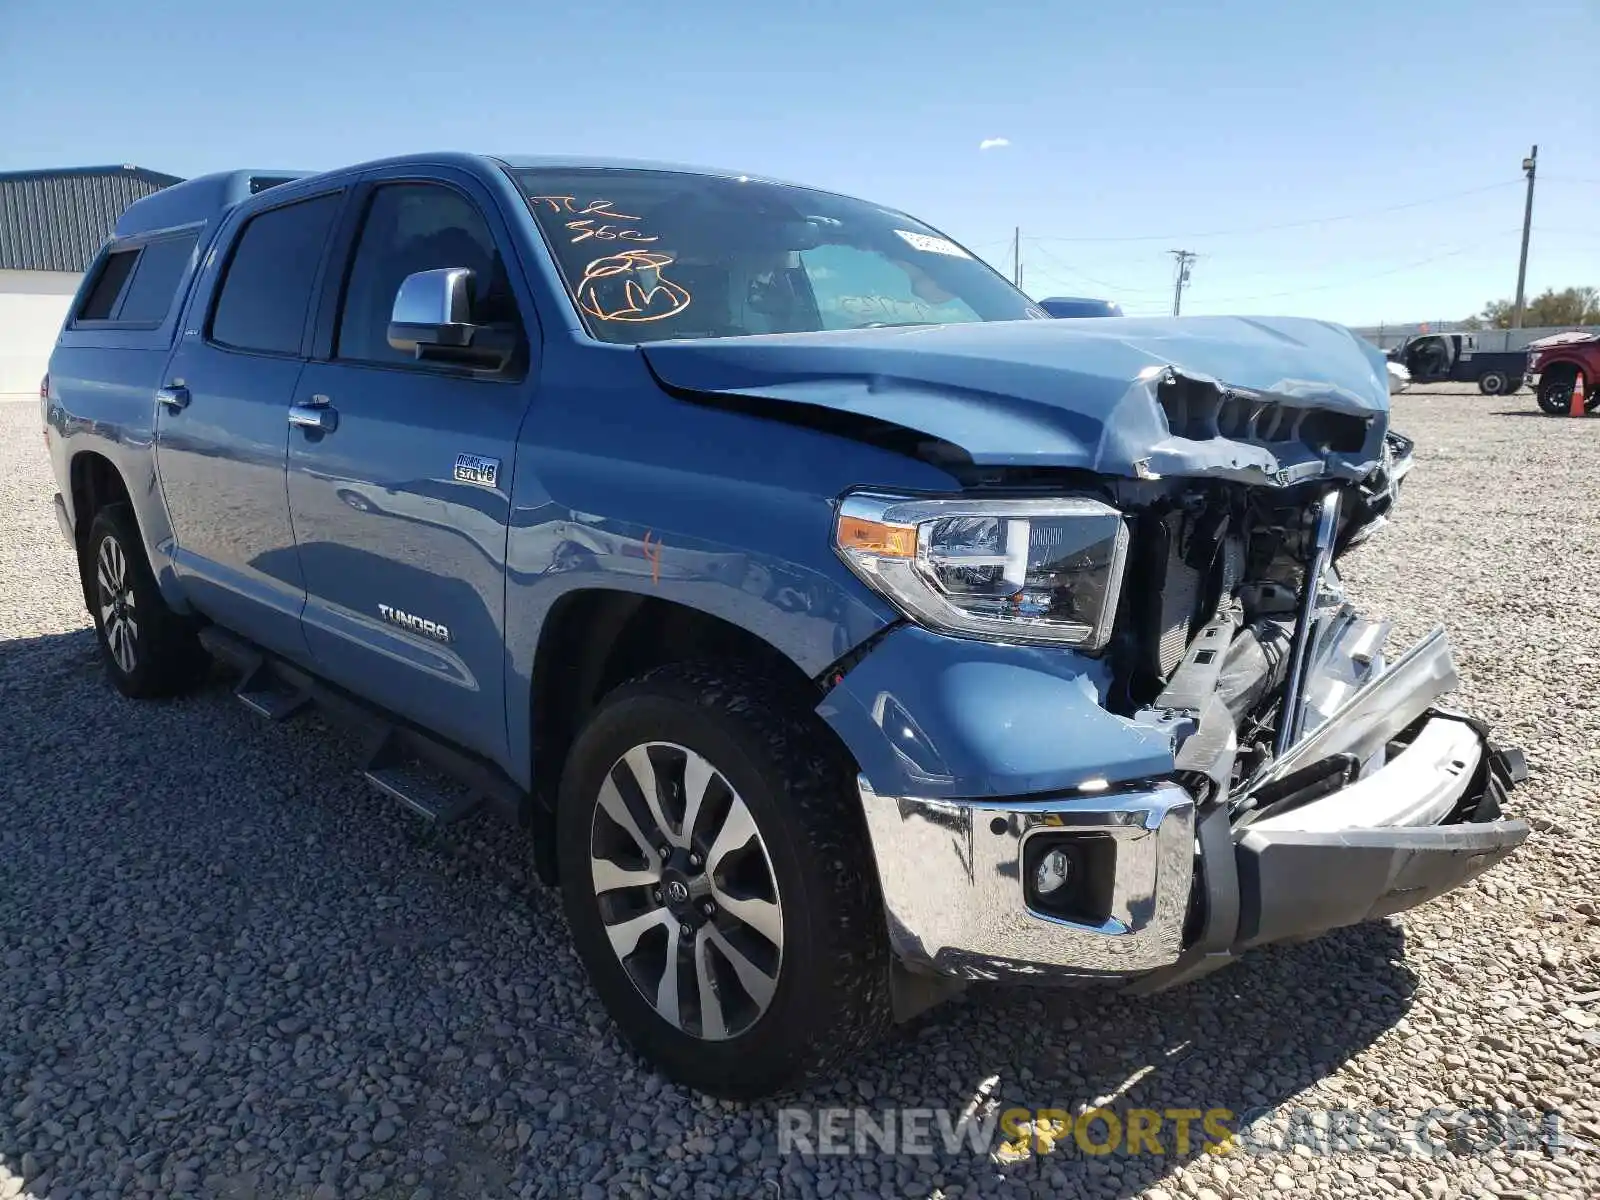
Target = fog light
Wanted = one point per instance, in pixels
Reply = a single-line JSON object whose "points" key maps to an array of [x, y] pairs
{"points": [[1052, 873]]}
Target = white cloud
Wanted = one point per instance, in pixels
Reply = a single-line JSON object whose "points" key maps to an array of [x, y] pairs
{"points": [[993, 143]]}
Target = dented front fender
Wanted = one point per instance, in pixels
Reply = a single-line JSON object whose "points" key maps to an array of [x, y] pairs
{"points": [[934, 716]]}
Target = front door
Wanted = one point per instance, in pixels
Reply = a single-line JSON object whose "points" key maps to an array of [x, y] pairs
{"points": [[1428, 359], [222, 431], [400, 505]]}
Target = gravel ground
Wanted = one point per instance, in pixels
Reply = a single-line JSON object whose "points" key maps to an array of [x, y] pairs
{"points": [[227, 968]]}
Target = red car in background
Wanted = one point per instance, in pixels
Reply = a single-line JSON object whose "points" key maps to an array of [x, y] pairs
{"points": [[1558, 361]]}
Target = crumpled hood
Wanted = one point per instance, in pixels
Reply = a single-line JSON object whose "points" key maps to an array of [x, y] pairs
{"points": [[1260, 400]]}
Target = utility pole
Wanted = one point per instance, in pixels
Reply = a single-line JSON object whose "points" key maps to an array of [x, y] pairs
{"points": [[1016, 257], [1185, 261], [1530, 166]]}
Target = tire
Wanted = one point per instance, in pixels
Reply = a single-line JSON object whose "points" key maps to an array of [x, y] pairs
{"points": [[1514, 385], [1555, 392], [814, 988], [148, 649], [1493, 383]]}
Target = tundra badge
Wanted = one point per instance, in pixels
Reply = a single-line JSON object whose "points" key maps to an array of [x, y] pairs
{"points": [[405, 620], [471, 468]]}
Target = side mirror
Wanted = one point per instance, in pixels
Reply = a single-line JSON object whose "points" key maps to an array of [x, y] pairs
{"points": [[433, 309]]}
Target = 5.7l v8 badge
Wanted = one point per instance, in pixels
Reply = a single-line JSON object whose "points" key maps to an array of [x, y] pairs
{"points": [[472, 468]]}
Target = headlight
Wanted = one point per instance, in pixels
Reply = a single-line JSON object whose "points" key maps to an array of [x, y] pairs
{"points": [[1012, 570]]}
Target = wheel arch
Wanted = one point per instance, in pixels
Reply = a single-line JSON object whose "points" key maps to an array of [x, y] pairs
{"points": [[594, 639], [94, 482], [1563, 369]]}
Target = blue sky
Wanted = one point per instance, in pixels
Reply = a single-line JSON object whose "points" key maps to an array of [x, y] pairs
{"points": [[1133, 127]]}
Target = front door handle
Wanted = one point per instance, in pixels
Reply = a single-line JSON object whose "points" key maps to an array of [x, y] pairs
{"points": [[316, 413], [175, 397]]}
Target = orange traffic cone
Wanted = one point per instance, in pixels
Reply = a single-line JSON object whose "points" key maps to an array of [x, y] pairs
{"points": [[1578, 405]]}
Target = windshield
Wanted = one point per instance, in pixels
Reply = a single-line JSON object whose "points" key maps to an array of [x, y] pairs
{"points": [[648, 255]]}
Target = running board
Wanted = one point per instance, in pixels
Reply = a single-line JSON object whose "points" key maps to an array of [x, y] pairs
{"points": [[263, 693], [416, 795], [431, 777], [405, 778]]}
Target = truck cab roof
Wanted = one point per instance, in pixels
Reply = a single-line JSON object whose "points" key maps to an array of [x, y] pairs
{"points": [[203, 199]]}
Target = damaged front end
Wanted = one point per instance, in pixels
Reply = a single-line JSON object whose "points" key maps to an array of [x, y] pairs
{"points": [[1128, 723], [1234, 762], [1331, 785]]}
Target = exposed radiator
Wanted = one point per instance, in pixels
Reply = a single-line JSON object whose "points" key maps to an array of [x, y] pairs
{"points": [[1186, 567], [1170, 596]]}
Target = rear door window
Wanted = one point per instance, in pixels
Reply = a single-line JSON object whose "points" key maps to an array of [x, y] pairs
{"points": [[162, 266], [101, 301], [266, 292]]}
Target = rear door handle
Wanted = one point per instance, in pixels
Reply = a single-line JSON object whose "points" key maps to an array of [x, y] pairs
{"points": [[175, 397], [316, 413]]}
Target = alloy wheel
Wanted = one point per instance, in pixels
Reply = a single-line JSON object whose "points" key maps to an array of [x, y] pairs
{"points": [[686, 890], [118, 618]]}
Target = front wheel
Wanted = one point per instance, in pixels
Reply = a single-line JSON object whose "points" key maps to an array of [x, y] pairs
{"points": [[715, 873], [1555, 392]]}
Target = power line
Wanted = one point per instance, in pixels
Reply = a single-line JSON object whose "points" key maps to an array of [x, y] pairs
{"points": [[1280, 271], [1350, 216], [1062, 266], [1452, 252], [1555, 231], [1322, 287]]}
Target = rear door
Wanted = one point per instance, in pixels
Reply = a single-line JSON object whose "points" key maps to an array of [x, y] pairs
{"points": [[222, 429], [400, 505], [111, 357]]}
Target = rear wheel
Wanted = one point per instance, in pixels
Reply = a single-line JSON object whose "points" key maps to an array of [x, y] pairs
{"points": [[715, 874], [1493, 383], [148, 649]]}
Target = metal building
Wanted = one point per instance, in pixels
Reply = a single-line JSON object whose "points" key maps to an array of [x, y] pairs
{"points": [[51, 224]]}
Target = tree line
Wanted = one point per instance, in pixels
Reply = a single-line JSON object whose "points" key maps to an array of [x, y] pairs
{"points": [[1569, 306]]}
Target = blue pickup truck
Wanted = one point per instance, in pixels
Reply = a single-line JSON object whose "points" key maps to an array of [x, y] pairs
{"points": [[841, 629]]}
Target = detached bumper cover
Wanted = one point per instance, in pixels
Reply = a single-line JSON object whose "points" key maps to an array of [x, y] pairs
{"points": [[1296, 883]]}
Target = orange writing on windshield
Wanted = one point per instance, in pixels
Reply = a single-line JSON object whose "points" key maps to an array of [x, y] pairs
{"points": [[645, 295], [606, 233], [595, 208], [587, 226]]}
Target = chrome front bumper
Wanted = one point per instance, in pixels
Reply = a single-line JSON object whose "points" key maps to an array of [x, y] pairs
{"points": [[1405, 825], [951, 873]]}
